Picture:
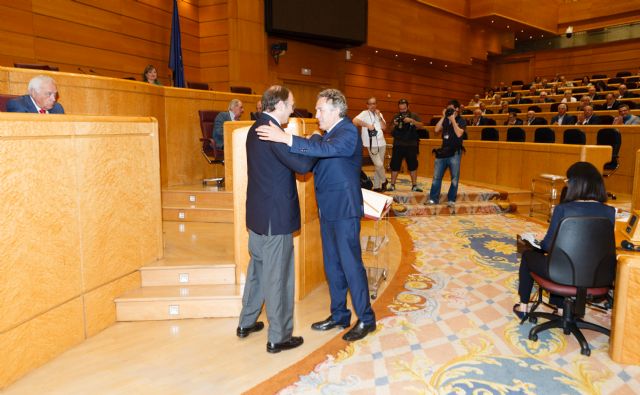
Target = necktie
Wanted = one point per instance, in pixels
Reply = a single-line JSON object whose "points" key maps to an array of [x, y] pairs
{"points": [[42, 111]]}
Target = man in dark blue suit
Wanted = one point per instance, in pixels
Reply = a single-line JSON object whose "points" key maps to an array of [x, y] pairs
{"points": [[233, 114], [273, 214], [42, 98], [337, 182]]}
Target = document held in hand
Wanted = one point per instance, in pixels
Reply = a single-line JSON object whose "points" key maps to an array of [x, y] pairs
{"points": [[376, 204]]}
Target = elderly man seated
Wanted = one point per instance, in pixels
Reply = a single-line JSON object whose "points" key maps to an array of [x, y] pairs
{"points": [[42, 98]]}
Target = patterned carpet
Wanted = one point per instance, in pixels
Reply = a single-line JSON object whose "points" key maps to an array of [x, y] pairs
{"points": [[449, 329]]}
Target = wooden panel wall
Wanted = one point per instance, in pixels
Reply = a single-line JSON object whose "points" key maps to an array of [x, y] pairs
{"points": [[592, 14], [113, 38], [176, 110], [542, 14], [577, 62], [427, 87], [214, 43], [412, 27], [80, 213]]}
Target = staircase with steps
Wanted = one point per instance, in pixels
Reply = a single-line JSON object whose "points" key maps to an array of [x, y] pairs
{"points": [[407, 204], [196, 278]]}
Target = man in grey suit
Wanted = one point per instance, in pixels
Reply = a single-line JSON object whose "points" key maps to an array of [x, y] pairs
{"points": [[42, 98], [273, 215], [235, 111]]}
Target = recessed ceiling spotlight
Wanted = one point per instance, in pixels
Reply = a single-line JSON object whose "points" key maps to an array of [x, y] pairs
{"points": [[376, 51], [508, 27], [492, 21], [414, 59], [530, 37], [542, 35], [430, 62], [521, 30], [516, 38], [396, 55], [446, 65]]}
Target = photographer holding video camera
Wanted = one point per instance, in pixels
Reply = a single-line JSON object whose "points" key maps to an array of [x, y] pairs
{"points": [[452, 126], [372, 123], [405, 144]]}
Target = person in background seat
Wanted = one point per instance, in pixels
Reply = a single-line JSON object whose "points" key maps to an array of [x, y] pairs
{"points": [[42, 98]]}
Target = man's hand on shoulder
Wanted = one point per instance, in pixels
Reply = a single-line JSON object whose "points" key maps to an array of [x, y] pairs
{"points": [[273, 133]]}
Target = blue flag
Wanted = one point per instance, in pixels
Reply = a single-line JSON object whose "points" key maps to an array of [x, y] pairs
{"points": [[175, 50]]}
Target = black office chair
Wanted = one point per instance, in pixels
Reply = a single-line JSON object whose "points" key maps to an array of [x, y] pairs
{"points": [[516, 134], [491, 121], [434, 121], [605, 119], [623, 74], [3, 101], [212, 154], [489, 134], [198, 85], [615, 80], [582, 263], [574, 136], [517, 82], [544, 135], [241, 89], [613, 138], [598, 76], [554, 107], [534, 108]]}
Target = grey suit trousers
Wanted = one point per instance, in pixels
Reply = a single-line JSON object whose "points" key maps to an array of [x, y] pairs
{"points": [[270, 280]]}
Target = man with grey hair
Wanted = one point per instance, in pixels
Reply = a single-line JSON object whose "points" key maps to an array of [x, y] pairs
{"points": [[42, 98], [233, 114], [339, 198]]}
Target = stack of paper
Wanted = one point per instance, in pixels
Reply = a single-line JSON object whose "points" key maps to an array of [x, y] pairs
{"points": [[376, 204]]}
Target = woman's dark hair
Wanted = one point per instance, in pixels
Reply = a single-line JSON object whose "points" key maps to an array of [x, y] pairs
{"points": [[146, 70], [585, 183]]}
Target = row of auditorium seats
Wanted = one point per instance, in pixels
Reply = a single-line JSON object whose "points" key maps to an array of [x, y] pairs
{"points": [[619, 75]]}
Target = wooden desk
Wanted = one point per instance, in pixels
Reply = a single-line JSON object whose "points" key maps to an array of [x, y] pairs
{"points": [[620, 182], [624, 343]]}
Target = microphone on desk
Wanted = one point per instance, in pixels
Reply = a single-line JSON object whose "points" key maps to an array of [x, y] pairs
{"points": [[82, 70], [627, 245], [94, 72]]}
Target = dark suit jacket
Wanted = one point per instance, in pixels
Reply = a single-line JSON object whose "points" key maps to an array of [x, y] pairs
{"points": [[482, 121], [24, 104], [337, 173], [537, 121], [272, 197], [518, 122], [594, 120], [567, 120], [614, 106], [218, 128]]}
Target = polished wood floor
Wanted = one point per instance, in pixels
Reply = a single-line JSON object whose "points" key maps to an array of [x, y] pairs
{"points": [[196, 356]]}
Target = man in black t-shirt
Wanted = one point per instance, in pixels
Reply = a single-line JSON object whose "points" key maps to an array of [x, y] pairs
{"points": [[452, 126], [405, 144]]}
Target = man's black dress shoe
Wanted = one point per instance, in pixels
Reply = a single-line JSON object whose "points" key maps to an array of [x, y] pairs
{"points": [[294, 342], [244, 332], [359, 331], [327, 324]]}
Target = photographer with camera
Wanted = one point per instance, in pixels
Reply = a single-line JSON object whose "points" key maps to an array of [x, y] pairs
{"points": [[405, 144], [452, 126], [372, 123]]}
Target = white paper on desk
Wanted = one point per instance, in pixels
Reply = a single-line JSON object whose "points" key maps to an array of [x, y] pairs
{"points": [[531, 238], [375, 204]]}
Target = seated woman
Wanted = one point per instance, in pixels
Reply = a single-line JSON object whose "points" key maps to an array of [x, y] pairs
{"points": [[150, 75], [585, 197]]}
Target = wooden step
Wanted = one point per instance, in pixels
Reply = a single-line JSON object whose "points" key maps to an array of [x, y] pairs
{"points": [[202, 241], [197, 214], [187, 272], [460, 208], [179, 302], [197, 199]]}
